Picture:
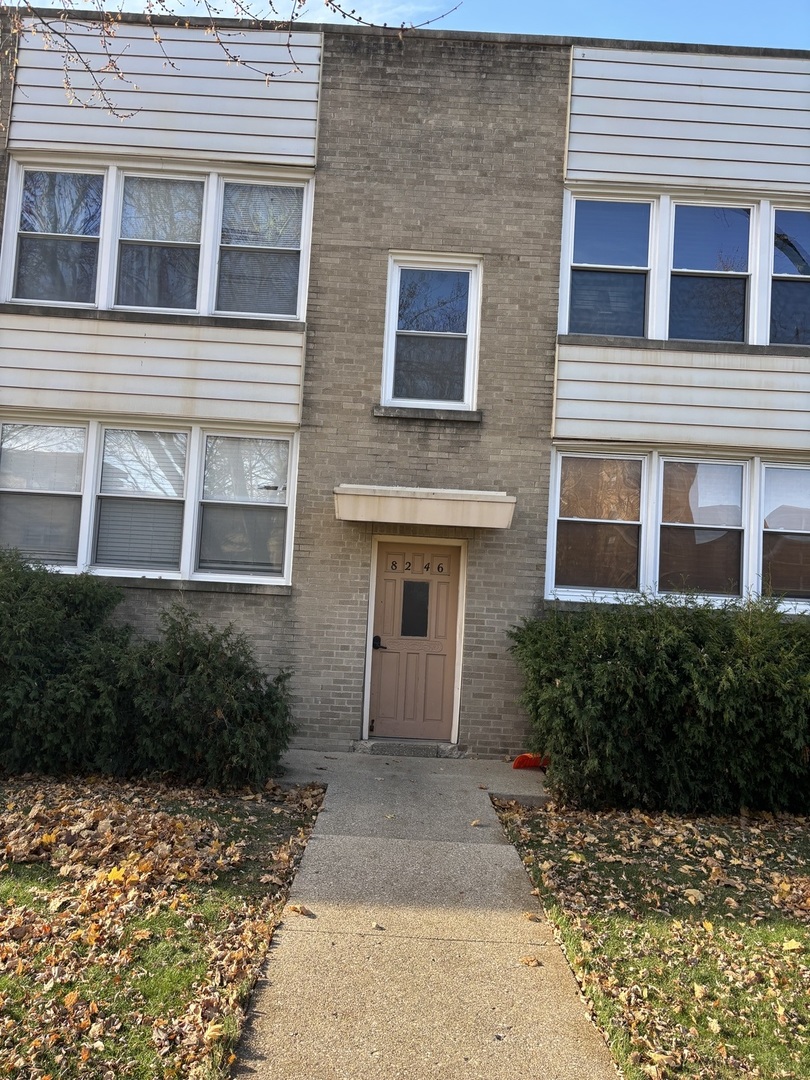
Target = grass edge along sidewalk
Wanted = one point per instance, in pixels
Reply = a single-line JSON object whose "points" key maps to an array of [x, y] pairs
{"points": [[690, 937], [134, 918]]}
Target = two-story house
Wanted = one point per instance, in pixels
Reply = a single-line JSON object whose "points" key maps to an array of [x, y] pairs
{"points": [[375, 357]]}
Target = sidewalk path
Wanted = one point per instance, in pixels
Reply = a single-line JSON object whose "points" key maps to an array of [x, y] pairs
{"points": [[410, 968]]}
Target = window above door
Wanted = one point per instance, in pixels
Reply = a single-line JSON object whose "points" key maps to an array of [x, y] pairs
{"points": [[432, 326]]}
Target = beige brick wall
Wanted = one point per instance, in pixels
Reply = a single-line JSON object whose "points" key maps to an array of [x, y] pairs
{"points": [[431, 144], [448, 145]]}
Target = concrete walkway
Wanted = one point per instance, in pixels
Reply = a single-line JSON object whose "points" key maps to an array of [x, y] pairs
{"points": [[410, 966]]}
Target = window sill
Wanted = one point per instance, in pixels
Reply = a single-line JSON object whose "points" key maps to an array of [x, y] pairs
{"points": [[679, 345], [395, 412], [232, 587], [161, 317]]}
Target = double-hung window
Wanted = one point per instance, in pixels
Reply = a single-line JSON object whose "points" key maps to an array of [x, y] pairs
{"points": [[193, 243], [610, 268], [790, 294], [684, 270], [148, 502], [431, 346], [58, 238], [666, 524], [708, 287]]}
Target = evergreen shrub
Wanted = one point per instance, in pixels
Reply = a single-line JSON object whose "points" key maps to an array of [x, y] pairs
{"points": [[81, 694], [671, 706]]}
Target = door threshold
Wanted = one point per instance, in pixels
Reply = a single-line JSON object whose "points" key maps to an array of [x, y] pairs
{"points": [[409, 748]]}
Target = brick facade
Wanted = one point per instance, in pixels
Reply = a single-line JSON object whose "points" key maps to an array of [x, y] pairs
{"points": [[435, 144]]}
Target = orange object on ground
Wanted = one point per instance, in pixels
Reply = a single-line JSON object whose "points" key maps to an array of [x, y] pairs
{"points": [[531, 761]]}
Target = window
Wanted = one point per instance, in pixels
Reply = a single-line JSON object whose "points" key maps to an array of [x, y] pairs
{"points": [[57, 245], [790, 296], [609, 275], [180, 504], [679, 270], [700, 546], [189, 243], [709, 273], [659, 524], [432, 332], [786, 532], [40, 490], [599, 522]]}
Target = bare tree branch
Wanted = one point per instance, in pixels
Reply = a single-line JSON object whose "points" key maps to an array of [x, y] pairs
{"points": [[102, 60]]}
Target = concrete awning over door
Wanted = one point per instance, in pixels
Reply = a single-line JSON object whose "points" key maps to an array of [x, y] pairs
{"points": [[424, 506]]}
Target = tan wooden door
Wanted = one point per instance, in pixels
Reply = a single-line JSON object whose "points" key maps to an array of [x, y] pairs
{"points": [[413, 662]]}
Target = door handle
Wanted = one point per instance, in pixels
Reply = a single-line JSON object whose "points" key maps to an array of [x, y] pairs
{"points": [[376, 642]]}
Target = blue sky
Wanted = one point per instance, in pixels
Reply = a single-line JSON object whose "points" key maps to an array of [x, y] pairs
{"points": [[786, 24]]}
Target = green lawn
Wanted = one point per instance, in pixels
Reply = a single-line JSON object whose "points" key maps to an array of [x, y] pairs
{"points": [[690, 937], [133, 922]]}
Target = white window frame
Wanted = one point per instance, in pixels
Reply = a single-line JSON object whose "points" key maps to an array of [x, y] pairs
{"points": [[662, 227], [192, 498], [107, 269], [753, 490], [402, 260]]}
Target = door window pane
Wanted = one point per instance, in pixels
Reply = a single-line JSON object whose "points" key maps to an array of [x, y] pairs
{"points": [[53, 263], [415, 598]]}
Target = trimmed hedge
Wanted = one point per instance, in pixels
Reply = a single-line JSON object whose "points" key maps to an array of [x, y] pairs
{"points": [[80, 694], [671, 706]]}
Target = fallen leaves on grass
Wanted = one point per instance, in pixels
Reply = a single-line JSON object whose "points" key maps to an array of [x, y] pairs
{"points": [[690, 936], [122, 878]]}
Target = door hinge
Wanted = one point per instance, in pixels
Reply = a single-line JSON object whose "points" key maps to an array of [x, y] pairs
{"points": [[370, 727]]}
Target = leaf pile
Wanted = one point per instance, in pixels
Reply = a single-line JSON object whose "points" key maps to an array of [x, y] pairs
{"points": [[689, 936], [133, 924]]}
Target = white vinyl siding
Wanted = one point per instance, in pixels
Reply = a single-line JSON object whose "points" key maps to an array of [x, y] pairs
{"points": [[164, 370], [687, 120], [744, 400], [198, 104]]}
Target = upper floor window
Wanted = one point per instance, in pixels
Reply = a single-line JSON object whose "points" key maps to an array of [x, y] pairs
{"points": [[790, 296], [148, 501], [610, 268], [204, 244], [682, 270], [431, 347]]}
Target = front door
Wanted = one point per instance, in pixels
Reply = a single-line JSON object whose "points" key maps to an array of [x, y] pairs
{"points": [[413, 661]]}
